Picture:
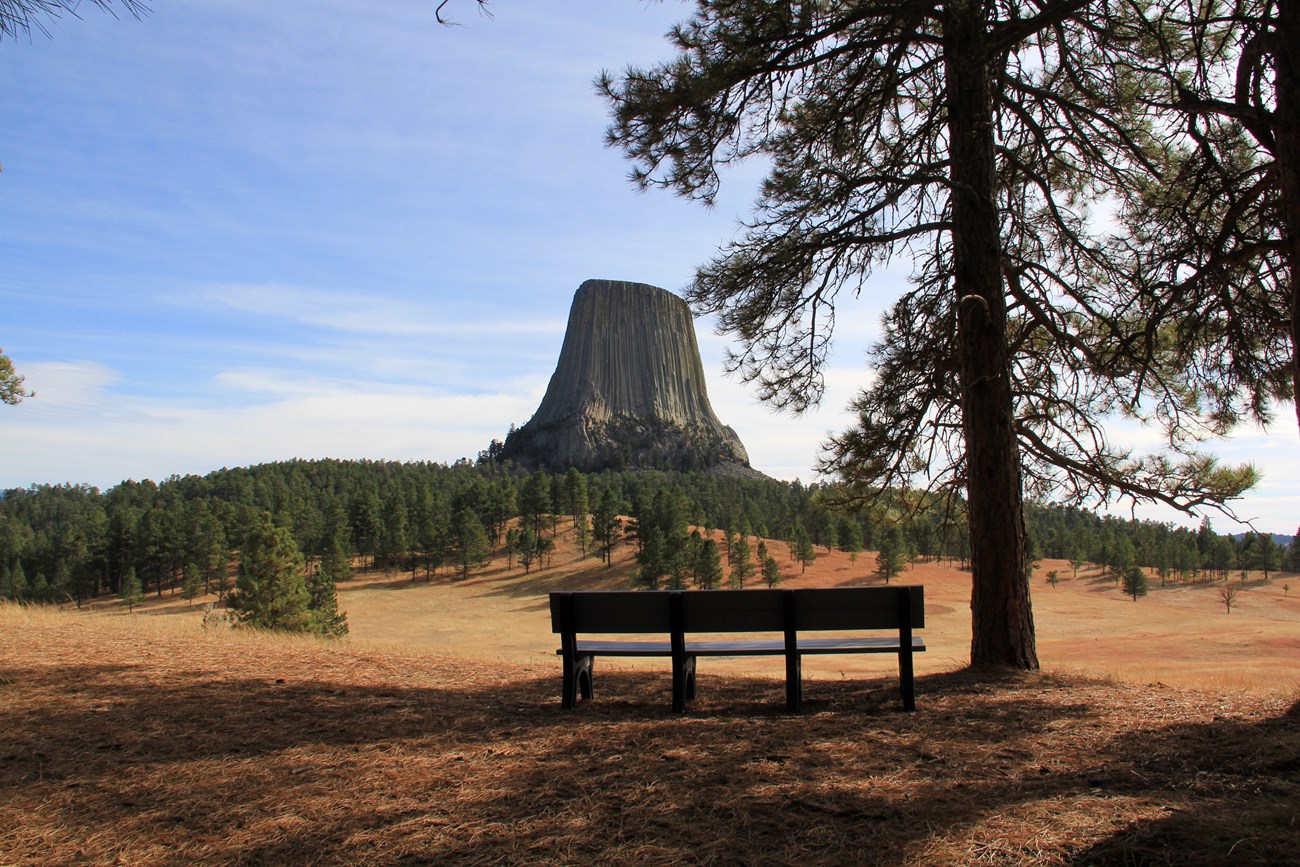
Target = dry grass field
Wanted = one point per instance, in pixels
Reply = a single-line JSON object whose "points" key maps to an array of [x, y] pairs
{"points": [[1163, 731]]}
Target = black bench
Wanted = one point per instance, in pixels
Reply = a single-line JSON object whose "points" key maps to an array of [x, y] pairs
{"points": [[681, 614]]}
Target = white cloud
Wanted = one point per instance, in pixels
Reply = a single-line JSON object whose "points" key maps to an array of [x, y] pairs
{"points": [[366, 313], [79, 443]]}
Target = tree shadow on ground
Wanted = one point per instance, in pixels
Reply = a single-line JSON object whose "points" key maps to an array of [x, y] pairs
{"points": [[462, 764], [1239, 787]]}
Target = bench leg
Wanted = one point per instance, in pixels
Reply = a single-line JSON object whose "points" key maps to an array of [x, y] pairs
{"points": [[577, 679], [793, 683], [683, 684], [906, 680]]}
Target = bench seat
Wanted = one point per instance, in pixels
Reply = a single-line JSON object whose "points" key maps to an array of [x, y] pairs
{"points": [[707, 613], [753, 647]]}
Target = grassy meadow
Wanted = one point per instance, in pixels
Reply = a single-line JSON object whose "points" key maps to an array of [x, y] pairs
{"points": [[1162, 731]]}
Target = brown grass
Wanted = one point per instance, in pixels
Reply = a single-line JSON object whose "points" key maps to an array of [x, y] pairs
{"points": [[434, 735], [157, 746], [1178, 635]]}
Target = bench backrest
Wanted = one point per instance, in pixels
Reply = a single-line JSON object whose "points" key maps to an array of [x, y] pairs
{"points": [[686, 611]]}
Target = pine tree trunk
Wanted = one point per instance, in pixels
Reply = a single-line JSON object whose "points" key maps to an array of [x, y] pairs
{"points": [[1001, 618], [1287, 165]]}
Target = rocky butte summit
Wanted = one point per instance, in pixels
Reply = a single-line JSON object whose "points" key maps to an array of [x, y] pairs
{"points": [[628, 391]]}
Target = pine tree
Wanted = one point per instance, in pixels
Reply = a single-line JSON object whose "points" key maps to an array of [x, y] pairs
{"points": [[472, 547], [678, 565], [513, 536], [535, 499], [192, 582], [606, 527], [130, 592], [527, 549], [545, 550], [1135, 582], [890, 557], [968, 137], [582, 535], [771, 571], [651, 560], [851, 537], [575, 495], [271, 584], [323, 605], [801, 547], [336, 564], [742, 564], [708, 565], [11, 383]]}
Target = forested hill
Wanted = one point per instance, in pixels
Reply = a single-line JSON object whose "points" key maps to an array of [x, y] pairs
{"points": [[71, 542]]}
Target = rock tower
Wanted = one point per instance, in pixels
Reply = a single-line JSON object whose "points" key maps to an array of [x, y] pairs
{"points": [[628, 391]]}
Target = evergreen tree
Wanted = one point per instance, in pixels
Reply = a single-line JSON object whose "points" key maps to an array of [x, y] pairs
{"points": [[513, 536], [708, 565], [1266, 555], [679, 564], [650, 560], [18, 582], [1135, 582], [1214, 240], [771, 571], [851, 537], [801, 547], [131, 592], [1120, 557], [394, 533], [582, 535], [323, 605], [336, 564], [1293, 553], [969, 136], [367, 523], [208, 549], [606, 527], [742, 564], [433, 524], [575, 495], [11, 383], [271, 584], [535, 500], [470, 540], [192, 582], [733, 543], [527, 547], [890, 558], [40, 591], [545, 550]]}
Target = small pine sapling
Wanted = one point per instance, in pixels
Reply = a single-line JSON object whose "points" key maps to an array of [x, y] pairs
{"points": [[1135, 582]]}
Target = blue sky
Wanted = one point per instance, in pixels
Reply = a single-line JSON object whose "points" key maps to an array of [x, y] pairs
{"points": [[233, 233]]}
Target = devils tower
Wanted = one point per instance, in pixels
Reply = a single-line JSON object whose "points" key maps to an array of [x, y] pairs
{"points": [[628, 391]]}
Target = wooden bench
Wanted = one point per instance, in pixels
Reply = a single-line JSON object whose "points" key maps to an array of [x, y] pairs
{"points": [[683, 614]]}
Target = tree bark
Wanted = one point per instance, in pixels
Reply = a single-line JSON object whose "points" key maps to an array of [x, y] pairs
{"points": [[1001, 617], [1287, 161]]}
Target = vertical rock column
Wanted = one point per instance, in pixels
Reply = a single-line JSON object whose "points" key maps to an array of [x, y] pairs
{"points": [[629, 382]]}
